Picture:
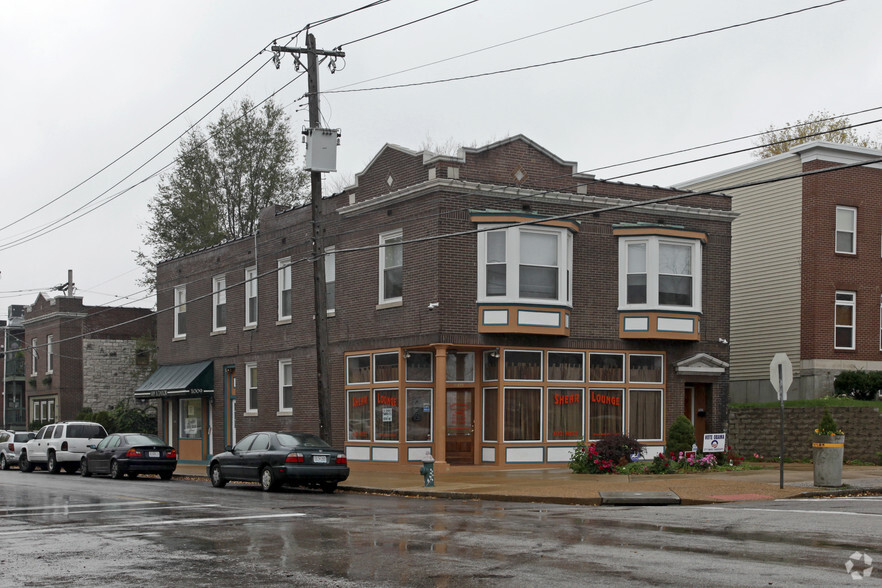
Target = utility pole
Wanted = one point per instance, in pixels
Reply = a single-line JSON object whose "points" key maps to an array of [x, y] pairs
{"points": [[318, 273]]}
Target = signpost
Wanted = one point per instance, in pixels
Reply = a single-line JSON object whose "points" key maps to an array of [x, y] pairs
{"points": [[781, 376]]}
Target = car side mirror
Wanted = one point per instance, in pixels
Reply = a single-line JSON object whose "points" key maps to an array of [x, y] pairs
{"points": [[229, 448], [92, 446]]}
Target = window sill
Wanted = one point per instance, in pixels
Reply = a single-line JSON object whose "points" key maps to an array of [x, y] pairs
{"points": [[283, 321], [179, 338], [393, 304], [250, 327], [219, 332], [332, 313], [289, 412], [250, 413]]}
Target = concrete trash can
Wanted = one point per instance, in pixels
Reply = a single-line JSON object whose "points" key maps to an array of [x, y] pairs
{"points": [[827, 456]]}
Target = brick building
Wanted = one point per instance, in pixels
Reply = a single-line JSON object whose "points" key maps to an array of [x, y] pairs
{"points": [[13, 342], [81, 356], [806, 267], [491, 307]]}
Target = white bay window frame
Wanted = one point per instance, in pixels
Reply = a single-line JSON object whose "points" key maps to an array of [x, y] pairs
{"points": [[514, 253], [649, 267]]}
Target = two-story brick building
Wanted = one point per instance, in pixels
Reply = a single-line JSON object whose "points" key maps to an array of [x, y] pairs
{"points": [[492, 307], [80, 356], [806, 267]]}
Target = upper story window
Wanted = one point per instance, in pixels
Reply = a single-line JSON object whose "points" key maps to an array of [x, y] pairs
{"points": [[180, 311], [846, 228], [219, 303], [50, 357], [34, 356], [391, 267], [251, 388], [659, 272], [286, 387], [251, 296], [525, 264], [285, 288], [845, 313], [330, 279]]}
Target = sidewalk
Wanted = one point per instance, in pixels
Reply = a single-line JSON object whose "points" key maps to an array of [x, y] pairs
{"points": [[561, 486]]}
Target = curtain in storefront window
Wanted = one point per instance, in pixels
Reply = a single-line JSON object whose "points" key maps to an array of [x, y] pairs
{"points": [[606, 414], [523, 414], [644, 410], [359, 406], [565, 420]]}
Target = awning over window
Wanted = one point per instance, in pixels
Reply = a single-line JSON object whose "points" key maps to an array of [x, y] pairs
{"points": [[181, 381]]}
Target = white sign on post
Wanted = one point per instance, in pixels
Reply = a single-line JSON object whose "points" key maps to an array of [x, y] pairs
{"points": [[714, 443], [783, 375]]}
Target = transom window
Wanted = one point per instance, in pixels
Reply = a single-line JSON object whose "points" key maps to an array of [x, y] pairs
{"points": [[845, 306], [525, 264], [846, 227], [658, 272]]}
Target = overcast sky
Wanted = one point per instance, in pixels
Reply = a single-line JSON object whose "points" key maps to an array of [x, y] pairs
{"points": [[85, 81]]}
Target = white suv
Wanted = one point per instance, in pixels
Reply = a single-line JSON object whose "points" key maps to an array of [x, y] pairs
{"points": [[60, 445]]}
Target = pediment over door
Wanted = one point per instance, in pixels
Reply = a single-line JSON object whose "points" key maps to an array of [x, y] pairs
{"points": [[702, 364]]}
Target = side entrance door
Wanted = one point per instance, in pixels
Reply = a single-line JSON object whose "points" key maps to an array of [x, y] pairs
{"points": [[696, 410], [461, 426]]}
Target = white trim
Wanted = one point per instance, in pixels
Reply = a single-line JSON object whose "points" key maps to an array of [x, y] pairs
{"points": [[850, 304], [524, 454], [284, 279], [50, 355], [652, 246], [283, 363], [218, 298], [251, 410], [180, 306], [851, 230], [396, 235], [251, 285], [559, 454]]}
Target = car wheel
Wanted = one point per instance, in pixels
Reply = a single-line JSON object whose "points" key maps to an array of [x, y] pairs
{"points": [[4, 465], [24, 464], [52, 463], [115, 471], [84, 468], [165, 476], [217, 480], [328, 487], [268, 479]]}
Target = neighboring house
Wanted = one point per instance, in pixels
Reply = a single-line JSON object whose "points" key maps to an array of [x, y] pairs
{"points": [[81, 356], [477, 309], [14, 370], [806, 268]]}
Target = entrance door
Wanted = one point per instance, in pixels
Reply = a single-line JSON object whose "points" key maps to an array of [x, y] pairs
{"points": [[461, 427], [696, 410]]}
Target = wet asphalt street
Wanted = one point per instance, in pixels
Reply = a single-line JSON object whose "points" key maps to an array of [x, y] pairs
{"points": [[63, 530]]}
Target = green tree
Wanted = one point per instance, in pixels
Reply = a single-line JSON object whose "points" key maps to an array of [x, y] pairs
{"points": [[775, 141], [221, 181]]}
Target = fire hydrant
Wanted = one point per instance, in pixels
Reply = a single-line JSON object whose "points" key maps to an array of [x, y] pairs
{"points": [[428, 470]]}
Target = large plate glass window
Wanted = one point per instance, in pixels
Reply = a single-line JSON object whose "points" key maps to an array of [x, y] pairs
{"points": [[460, 366], [523, 365], [606, 412], [659, 272], [419, 414], [606, 367], [522, 419], [358, 369], [645, 414], [418, 366], [358, 405], [190, 418], [565, 366], [846, 227], [391, 267], [219, 303], [645, 369], [386, 414], [566, 414], [386, 367], [845, 313], [525, 264], [491, 414]]}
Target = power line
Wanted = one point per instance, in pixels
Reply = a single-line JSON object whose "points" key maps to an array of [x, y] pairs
{"points": [[581, 57], [401, 26]]}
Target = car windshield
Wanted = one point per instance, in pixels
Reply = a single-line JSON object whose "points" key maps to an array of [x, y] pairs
{"points": [[143, 440], [305, 440]]}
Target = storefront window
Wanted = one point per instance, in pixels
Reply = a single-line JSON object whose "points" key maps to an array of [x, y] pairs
{"points": [[418, 366], [491, 366], [645, 369], [491, 414], [606, 367], [386, 367], [460, 366], [645, 414], [386, 414], [566, 415], [606, 413], [419, 414], [523, 365], [358, 369], [566, 367], [523, 414], [359, 417], [191, 418]]}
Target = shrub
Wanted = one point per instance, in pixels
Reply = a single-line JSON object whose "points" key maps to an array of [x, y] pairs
{"points": [[827, 426], [586, 460], [681, 436], [617, 448], [661, 464], [121, 419], [858, 384]]}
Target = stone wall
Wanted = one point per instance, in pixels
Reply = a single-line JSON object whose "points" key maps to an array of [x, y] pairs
{"points": [[110, 374], [756, 430]]}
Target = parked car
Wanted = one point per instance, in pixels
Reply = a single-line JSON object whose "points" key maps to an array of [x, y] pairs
{"points": [[60, 445], [11, 444], [273, 459], [130, 454]]}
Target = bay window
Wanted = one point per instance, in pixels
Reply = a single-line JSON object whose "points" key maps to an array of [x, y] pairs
{"points": [[661, 273]]}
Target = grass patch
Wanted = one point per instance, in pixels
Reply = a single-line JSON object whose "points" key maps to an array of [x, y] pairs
{"points": [[825, 402]]}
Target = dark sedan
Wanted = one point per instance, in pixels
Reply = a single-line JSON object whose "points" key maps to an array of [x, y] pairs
{"points": [[273, 459], [130, 454]]}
